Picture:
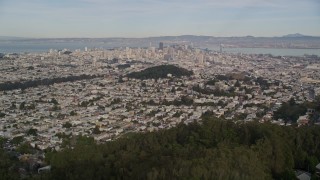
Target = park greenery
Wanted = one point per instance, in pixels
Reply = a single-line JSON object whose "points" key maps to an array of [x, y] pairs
{"points": [[161, 71], [213, 149], [290, 111], [6, 86], [123, 66]]}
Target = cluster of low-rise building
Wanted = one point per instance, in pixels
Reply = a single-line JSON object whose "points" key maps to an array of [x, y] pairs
{"points": [[111, 105]]}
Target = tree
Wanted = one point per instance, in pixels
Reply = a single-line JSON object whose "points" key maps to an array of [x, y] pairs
{"points": [[17, 140], [13, 105], [120, 80], [67, 125], [54, 101], [143, 84], [213, 149], [96, 130], [173, 90], [2, 114], [22, 106], [34, 83], [30, 68], [160, 72], [7, 165], [292, 102], [25, 148], [237, 84], [32, 106], [73, 113], [56, 108], [32, 132], [290, 111]]}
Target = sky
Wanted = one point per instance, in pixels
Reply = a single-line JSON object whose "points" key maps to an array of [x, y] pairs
{"points": [[145, 18]]}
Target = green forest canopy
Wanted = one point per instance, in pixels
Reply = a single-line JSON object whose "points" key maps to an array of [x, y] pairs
{"points": [[215, 149], [161, 71]]}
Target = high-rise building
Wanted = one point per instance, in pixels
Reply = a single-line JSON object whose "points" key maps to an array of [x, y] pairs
{"points": [[201, 59], [161, 45]]}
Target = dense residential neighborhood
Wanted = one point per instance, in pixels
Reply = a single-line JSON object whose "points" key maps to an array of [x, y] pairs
{"points": [[248, 86]]}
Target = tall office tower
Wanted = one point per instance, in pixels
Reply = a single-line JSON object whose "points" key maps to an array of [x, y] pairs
{"points": [[201, 59], [85, 49], [161, 46]]}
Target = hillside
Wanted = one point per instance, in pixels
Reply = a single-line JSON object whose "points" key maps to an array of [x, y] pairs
{"points": [[160, 72], [215, 149]]}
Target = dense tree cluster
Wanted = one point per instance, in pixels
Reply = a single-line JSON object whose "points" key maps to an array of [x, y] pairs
{"points": [[2, 114], [32, 132], [160, 72], [290, 111], [7, 163], [123, 66], [67, 125], [46, 82], [264, 84], [215, 149], [67, 52], [24, 107]]}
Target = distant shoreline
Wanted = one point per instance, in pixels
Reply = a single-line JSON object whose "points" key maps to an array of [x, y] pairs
{"points": [[282, 46]]}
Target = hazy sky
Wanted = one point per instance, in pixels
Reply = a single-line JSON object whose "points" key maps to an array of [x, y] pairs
{"points": [[143, 18]]}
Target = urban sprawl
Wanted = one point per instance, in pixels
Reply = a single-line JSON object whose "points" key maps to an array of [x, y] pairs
{"points": [[91, 95]]}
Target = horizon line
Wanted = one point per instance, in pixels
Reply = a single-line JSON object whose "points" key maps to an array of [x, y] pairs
{"points": [[155, 36]]}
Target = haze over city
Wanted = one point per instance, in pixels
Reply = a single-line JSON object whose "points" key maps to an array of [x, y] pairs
{"points": [[142, 18]]}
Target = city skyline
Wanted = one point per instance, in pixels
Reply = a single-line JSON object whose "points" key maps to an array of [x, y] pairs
{"points": [[97, 18]]}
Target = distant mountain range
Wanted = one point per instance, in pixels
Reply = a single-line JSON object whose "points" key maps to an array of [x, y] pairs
{"points": [[287, 41], [295, 35], [198, 37], [5, 38]]}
